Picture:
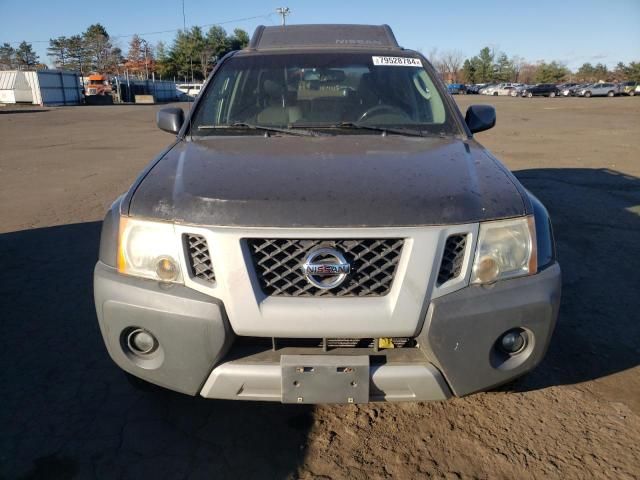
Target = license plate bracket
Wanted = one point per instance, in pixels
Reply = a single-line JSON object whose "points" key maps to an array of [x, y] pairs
{"points": [[325, 378]]}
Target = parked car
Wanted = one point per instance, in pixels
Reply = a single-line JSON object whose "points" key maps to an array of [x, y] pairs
{"points": [[457, 89], [491, 89], [568, 91], [475, 88], [541, 90], [517, 91], [628, 88], [188, 91], [487, 89], [565, 87], [597, 90], [325, 228], [504, 90]]}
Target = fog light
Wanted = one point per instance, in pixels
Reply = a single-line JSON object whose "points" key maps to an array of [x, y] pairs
{"points": [[141, 342], [512, 342], [167, 269]]}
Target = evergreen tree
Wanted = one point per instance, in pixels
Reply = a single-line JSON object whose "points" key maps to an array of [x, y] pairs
{"points": [[239, 40], [633, 71], [25, 56], [77, 55], [469, 71], [503, 69], [101, 55], [58, 51], [552, 72], [7, 56], [485, 65]]}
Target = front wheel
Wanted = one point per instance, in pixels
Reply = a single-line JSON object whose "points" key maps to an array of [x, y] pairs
{"points": [[552, 94], [610, 94], [632, 93], [495, 94], [530, 95], [587, 94]]}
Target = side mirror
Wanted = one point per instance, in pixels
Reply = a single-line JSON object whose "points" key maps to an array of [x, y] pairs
{"points": [[170, 119], [480, 118]]}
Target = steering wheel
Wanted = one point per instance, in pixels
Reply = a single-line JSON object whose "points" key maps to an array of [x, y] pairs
{"points": [[380, 110]]}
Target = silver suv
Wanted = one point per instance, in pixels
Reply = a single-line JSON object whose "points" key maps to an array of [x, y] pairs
{"points": [[598, 90], [325, 228]]}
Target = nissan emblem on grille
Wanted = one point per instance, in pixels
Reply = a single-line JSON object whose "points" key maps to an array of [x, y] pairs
{"points": [[325, 268], [278, 265]]}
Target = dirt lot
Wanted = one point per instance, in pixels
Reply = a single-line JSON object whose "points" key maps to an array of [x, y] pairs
{"points": [[67, 411]]}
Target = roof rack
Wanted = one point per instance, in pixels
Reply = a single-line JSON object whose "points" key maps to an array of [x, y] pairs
{"points": [[337, 35]]}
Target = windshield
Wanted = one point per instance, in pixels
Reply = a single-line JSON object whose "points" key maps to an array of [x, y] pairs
{"points": [[322, 91]]}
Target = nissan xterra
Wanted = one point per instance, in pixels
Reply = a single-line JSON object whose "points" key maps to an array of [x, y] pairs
{"points": [[325, 228]]}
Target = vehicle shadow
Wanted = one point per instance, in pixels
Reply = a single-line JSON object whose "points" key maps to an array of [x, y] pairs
{"points": [[596, 218], [67, 410]]}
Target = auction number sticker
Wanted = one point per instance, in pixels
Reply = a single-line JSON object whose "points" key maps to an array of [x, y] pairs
{"points": [[397, 61]]}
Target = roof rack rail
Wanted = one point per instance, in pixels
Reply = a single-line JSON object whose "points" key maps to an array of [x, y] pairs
{"points": [[316, 35]]}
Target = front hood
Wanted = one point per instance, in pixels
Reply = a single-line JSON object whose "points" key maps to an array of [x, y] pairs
{"points": [[332, 181]]}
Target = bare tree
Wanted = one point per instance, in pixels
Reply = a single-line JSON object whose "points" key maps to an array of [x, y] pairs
{"points": [[517, 64], [432, 56], [452, 62], [437, 62]]}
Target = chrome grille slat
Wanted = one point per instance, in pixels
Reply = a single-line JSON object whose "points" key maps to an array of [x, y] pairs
{"points": [[278, 263], [199, 258], [452, 258]]}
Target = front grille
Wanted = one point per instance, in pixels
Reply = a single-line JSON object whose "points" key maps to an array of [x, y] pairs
{"points": [[199, 258], [278, 264], [452, 258]]}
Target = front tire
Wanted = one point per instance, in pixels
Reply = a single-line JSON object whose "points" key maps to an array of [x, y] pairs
{"points": [[530, 95], [632, 93], [587, 94], [552, 94], [610, 94]]}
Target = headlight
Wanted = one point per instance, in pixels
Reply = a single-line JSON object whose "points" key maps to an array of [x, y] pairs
{"points": [[506, 249], [149, 250]]}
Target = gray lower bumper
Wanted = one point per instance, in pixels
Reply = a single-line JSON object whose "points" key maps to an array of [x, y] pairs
{"points": [[191, 328], [461, 329], [457, 340]]}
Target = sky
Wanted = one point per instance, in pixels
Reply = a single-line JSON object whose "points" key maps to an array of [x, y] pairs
{"points": [[606, 31]]}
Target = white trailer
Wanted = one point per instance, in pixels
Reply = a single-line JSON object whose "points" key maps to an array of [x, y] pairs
{"points": [[14, 87]]}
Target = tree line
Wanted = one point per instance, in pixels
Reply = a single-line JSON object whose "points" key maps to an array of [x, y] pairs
{"points": [[20, 58], [193, 52], [489, 66], [190, 56]]}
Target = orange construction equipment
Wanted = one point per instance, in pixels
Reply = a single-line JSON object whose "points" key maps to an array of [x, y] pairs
{"points": [[98, 84]]}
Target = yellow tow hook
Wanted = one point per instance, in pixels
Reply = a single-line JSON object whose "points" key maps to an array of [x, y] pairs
{"points": [[385, 343]]}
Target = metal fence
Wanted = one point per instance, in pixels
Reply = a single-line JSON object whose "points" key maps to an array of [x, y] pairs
{"points": [[162, 90], [55, 87]]}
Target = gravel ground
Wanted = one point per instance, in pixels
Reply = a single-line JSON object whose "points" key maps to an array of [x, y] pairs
{"points": [[68, 412]]}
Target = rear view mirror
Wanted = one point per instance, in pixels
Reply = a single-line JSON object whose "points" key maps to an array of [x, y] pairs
{"points": [[480, 118], [170, 119]]}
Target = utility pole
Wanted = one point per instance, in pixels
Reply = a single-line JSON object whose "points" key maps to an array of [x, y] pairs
{"points": [[283, 12], [146, 61]]}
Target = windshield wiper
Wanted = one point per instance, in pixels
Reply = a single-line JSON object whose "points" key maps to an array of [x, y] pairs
{"points": [[383, 130], [360, 126], [250, 126]]}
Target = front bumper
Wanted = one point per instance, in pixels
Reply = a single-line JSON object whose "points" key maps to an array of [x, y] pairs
{"points": [[455, 352]]}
